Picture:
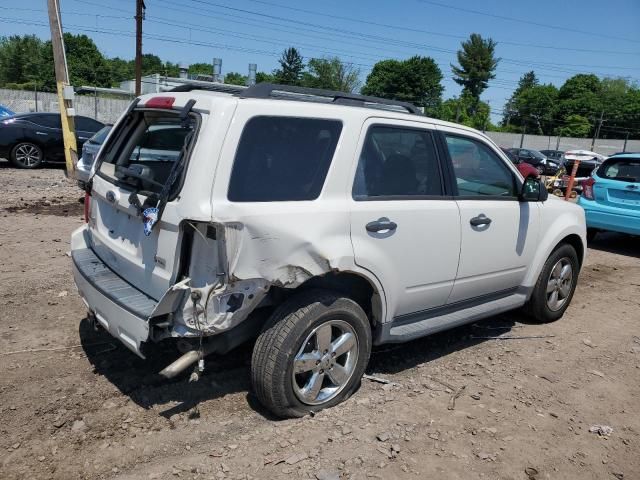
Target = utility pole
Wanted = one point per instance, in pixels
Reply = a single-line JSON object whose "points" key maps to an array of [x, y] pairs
{"points": [[597, 132], [140, 8], [626, 139], [65, 90]]}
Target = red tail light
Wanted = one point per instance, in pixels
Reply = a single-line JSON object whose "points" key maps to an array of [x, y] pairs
{"points": [[587, 188], [160, 102], [87, 200]]}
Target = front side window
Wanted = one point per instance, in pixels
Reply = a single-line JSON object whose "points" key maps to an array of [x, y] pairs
{"points": [[478, 170], [143, 154], [397, 162], [283, 159]]}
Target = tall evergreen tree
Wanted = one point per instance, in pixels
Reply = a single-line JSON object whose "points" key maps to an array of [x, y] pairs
{"points": [[477, 65], [291, 66]]}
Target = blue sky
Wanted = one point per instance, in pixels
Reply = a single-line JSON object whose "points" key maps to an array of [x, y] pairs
{"points": [[555, 38]]}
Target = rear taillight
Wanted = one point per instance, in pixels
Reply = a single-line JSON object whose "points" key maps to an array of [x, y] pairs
{"points": [[587, 188], [160, 102], [87, 201]]}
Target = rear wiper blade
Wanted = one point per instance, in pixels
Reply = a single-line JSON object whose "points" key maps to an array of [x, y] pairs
{"points": [[151, 216]]}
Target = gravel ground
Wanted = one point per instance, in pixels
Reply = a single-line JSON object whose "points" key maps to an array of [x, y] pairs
{"points": [[79, 405]]}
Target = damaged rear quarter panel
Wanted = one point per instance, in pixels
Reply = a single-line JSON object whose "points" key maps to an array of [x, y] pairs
{"points": [[311, 242]]}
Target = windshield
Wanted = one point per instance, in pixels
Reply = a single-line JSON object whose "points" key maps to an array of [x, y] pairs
{"points": [[537, 154], [143, 153], [624, 169]]}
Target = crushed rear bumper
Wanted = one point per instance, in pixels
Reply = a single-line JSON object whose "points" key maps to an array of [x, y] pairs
{"points": [[118, 306]]}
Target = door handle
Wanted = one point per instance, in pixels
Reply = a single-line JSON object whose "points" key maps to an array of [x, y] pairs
{"points": [[481, 219], [381, 225]]}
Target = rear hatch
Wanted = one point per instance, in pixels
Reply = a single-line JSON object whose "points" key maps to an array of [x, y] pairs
{"points": [[617, 183], [140, 169]]}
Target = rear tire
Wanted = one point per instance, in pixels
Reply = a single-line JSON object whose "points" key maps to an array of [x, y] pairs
{"points": [[27, 155], [555, 287], [311, 354], [591, 234]]}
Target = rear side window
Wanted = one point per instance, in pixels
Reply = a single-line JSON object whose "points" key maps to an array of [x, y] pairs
{"points": [[283, 159], [397, 162], [627, 170], [87, 124], [49, 121]]}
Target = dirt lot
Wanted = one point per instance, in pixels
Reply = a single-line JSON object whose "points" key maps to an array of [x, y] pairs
{"points": [[82, 406]]}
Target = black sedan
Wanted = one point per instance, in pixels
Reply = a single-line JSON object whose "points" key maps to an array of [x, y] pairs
{"points": [[544, 165], [29, 139], [552, 154]]}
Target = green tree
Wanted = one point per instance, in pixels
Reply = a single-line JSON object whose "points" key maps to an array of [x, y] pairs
{"points": [[511, 115], [536, 107], [201, 69], [416, 80], [21, 60], [121, 70], [235, 78], [467, 111], [477, 65], [264, 77], [574, 126], [331, 74], [291, 67], [580, 95]]}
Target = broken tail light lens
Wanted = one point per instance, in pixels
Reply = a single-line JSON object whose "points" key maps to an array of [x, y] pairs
{"points": [[587, 188], [160, 102]]}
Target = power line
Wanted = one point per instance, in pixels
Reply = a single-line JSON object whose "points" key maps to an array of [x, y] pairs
{"points": [[428, 32], [377, 37], [537, 24]]}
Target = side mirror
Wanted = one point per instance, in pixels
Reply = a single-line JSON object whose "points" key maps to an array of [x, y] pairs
{"points": [[533, 190]]}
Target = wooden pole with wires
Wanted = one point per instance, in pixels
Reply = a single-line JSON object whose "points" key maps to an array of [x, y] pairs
{"points": [[65, 90], [140, 8]]}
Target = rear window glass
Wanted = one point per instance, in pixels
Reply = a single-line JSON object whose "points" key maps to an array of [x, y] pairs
{"points": [[144, 154], [283, 159], [627, 170]]}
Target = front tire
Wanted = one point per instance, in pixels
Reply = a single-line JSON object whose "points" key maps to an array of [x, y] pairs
{"points": [[27, 155], [311, 355], [555, 287]]}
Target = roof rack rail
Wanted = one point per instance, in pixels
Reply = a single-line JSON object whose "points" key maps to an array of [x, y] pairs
{"points": [[272, 90], [209, 86]]}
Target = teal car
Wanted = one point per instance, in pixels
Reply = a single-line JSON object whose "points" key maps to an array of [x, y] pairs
{"points": [[611, 196]]}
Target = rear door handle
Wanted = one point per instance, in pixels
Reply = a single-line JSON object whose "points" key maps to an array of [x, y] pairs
{"points": [[381, 225], [481, 219]]}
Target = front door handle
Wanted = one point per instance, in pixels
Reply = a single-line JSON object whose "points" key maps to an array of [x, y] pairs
{"points": [[381, 225], [481, 219]]}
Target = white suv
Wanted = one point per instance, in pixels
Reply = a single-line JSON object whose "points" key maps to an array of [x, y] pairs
{"points": [[321, 223]]}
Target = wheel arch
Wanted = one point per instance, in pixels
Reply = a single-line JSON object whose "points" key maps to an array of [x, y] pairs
{"points": [[564, 230], [359, 287]]}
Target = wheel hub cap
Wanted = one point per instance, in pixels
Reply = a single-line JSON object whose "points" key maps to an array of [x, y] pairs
{"points": [[325, 362], [559, 284]]}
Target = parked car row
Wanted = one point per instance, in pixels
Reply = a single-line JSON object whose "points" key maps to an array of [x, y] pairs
{"points": [[30, 139]]}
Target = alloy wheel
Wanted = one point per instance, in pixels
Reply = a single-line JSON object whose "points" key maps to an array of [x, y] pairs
{"points": [[28, 155], [325, 362], [559, 284]]}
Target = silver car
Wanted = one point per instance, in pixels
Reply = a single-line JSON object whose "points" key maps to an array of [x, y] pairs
{"points": [[89, 151]]}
